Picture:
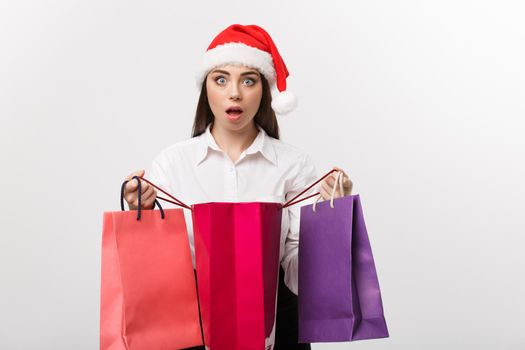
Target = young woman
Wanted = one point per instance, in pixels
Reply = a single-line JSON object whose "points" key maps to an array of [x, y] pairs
{"points": [[235, 153]]}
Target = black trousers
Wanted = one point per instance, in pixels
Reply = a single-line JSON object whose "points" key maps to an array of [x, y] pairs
{"points": [[286, 324]]}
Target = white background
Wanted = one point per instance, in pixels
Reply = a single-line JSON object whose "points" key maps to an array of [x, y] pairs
{"points": [[421, 102]]}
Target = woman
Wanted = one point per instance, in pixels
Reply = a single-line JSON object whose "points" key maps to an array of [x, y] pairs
{"points": [[235, 153]]}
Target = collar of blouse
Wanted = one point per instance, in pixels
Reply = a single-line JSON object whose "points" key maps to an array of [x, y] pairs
{"points": [[261, 144]]}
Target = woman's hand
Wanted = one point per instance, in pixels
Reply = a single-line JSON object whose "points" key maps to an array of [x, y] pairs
{"points": [[149, 193], [329, 182]]}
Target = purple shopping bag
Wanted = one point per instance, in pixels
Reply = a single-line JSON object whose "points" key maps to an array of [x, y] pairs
{"points": [[339, 296]]}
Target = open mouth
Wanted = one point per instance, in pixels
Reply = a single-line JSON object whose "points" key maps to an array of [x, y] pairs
{"points": [[234, 112]]}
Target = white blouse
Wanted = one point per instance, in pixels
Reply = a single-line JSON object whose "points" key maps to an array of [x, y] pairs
{"points": [[269, 170]]}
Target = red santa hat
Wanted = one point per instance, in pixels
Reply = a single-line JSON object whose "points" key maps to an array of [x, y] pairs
{"points": [[252, 46]]}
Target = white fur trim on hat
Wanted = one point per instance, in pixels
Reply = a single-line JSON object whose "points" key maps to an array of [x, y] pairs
{"points": [[283, 102], [236, 53]]}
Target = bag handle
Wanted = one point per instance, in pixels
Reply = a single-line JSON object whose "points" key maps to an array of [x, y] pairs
{"points": [[338, 180], [173, 201], [294, 200], [139, 209], [178, 202]]}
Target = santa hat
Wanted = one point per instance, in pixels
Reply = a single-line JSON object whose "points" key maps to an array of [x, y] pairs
{"points": [[252, 46]]}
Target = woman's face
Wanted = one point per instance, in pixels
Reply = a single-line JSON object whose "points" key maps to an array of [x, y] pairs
{"points": [[234, 94]]}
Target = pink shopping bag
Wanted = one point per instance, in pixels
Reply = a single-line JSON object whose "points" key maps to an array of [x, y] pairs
{"points": [[237, 257], [148, 294]]}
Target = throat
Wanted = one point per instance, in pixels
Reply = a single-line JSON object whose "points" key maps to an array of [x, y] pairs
{"points": [[233, 143]]}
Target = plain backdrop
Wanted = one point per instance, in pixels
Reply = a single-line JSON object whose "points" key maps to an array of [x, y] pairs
{"points": [[421, 102]]}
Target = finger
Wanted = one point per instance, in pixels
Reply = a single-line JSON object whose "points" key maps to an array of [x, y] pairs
{"points": [[139, 173], [324, 194], [133, 196], [326, 187], [328, 180], [337, 168], [147, 188], [350, 188], [342, 171], [330, 183], [132, 184], [144, 187], [154, 194], [147, 202], [348, 184], [132, 199], [147, 194], [145, 191]]}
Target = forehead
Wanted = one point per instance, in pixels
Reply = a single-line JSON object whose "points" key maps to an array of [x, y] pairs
{"points": [[235, 68]]}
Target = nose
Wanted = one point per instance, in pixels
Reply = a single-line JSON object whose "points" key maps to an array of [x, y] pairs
{"points": [[235, 93]]}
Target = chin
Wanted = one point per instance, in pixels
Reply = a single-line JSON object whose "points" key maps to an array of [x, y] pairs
{"points": [[235, 125]]}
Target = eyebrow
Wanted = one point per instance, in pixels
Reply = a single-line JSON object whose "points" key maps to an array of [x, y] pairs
{"points": [[242, 74]]}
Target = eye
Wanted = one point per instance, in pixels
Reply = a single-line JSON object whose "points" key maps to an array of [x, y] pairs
{"points": [[249, 81], [220, 80]]}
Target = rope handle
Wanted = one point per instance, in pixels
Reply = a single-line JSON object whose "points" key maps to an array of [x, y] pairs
{"points": [[139, 209], [173, 199], [294, 200], [338, 180]]}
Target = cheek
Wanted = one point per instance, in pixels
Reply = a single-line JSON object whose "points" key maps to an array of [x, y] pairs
{"points": [[255, 97], [213, 97]]}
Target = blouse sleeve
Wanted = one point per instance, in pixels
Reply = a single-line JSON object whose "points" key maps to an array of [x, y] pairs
{"points": [[307, 175]]}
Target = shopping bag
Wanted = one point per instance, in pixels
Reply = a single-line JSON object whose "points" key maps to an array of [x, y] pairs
{"points": [[339, 297], [148, 297], [237, 258]]}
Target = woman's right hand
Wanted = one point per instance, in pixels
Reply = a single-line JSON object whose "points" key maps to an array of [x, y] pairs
{"points": [[149, 193]]}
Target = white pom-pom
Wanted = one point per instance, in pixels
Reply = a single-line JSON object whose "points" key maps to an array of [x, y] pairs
{"points": [[284, 102]]}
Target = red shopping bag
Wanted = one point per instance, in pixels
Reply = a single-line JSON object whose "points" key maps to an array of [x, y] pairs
{"points": [[148, 294], [237, 257]]}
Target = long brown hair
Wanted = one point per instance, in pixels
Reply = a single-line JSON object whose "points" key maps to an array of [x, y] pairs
{"points": [[265, 116]]}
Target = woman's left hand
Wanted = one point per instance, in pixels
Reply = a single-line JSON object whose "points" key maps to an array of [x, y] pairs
{"points": [[328, 183]]}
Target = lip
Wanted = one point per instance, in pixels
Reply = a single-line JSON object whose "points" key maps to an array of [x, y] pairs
{"points": [[235, 107], [237, 116], [234, 117]]}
